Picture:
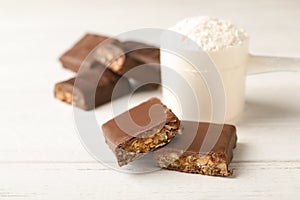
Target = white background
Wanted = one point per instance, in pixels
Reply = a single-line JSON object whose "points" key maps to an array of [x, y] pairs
{"points": [[40, 153]]}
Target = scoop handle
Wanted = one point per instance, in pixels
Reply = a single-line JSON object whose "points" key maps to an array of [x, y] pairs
{"points": [[258, 64]]}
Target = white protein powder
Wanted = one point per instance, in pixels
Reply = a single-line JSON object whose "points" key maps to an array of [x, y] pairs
{"points": [[210, 33], [227, 46]]}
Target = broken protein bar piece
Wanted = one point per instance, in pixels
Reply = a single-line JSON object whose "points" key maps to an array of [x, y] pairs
{"points": [[137, 61], [114, 57], [74, 57], [148, 58], [90, 91], [140, 130], [187, 152]]}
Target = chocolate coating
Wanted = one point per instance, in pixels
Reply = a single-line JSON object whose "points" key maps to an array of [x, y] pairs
{"points": [[125, 58], [73, 58], [139, 122], [202, 148], [193, 134], [143, 52], [89, 92]]}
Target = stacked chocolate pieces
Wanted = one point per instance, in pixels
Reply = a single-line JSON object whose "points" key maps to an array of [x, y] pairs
{"points": [[101, 63], [202, 148], [107, 69]]}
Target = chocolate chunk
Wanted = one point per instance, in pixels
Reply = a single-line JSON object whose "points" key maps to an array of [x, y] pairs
{"points": [[73, 58], [140, 130], [89, 92], [188, 153], [125, 58]]}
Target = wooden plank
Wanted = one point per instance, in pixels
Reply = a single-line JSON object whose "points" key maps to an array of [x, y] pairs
{"points": [[252, 180]]}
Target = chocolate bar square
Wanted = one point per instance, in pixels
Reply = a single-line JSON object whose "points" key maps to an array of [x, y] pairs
{"points": [[74, 57], [91, 91], [188, 153], [134, 60], [140, 130]]}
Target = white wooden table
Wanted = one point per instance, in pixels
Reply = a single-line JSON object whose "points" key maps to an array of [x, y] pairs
{"points": [[41, 156]]}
